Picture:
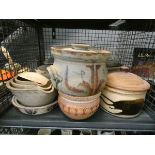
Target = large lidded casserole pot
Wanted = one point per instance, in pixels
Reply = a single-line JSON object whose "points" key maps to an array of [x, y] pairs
{"points": [[124, 94], [78, 69]]}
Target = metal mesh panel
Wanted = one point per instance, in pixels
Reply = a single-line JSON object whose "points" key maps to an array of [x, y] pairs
{"points": [[21, 42], [19, 51], [121, 43]]}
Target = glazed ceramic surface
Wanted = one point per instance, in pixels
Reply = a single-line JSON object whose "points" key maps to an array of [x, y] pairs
{"points": [[125, 108], [78, 108], [33, 110], [124, 94], [78, 70], [19, 80], [34, 77], [33, 97], [31, 86], [127, 81]]}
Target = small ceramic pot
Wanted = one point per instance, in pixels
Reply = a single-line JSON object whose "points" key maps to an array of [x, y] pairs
{"points": [[33, 97], [78, 108], [78, 69], [33, 110]]}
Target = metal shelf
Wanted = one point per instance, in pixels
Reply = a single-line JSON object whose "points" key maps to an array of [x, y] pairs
{"points": [[56, 119]]}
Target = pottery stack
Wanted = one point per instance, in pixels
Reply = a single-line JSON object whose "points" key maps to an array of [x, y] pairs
{"points": [[79, 73], [124, 94], [33, 93]]}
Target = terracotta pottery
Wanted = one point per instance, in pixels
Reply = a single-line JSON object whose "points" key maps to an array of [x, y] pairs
{"points": [[124, 94], [78, 108], [127, 81], [33, 110], [33, 97], [78, 69]]}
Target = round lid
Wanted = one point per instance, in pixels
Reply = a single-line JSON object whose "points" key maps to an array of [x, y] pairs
{"points": [[127, 81], [80, 52], [78, 48]]}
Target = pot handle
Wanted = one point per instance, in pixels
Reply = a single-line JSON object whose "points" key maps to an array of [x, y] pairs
{"points": [[55, 78], [80, 46]]}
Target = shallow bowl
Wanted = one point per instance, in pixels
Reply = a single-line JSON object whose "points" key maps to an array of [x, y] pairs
{"points": [[33, 110]]}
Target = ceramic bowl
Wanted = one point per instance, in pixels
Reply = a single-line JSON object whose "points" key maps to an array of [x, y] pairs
{"points": [[23, 81], [33, 97], [78, 108], [20, 80], [34, 77], [46, 87], [33, 110]]}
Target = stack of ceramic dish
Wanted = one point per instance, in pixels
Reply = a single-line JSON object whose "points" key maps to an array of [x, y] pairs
{"points": [[124, 94], [79, 73], [33, 93]]}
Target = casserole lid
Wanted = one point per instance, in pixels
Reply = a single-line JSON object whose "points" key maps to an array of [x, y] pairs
{"points": [[126, 81]]}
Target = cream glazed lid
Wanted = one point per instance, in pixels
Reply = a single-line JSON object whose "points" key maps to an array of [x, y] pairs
{"points": [[127, 81], [80, 52]]}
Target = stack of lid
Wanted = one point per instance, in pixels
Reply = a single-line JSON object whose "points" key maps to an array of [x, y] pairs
{"points": [[124, 94]]}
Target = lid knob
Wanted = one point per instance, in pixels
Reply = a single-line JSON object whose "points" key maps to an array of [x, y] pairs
{"points": [[80, 46]]}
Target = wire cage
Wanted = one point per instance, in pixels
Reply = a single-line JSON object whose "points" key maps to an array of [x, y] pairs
{"points": [[19, 51], [25, 45]]}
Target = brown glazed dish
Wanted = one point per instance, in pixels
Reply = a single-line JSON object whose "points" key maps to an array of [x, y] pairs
{"points": [[78, 108]]}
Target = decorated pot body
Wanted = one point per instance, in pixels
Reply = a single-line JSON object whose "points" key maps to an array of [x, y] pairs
{"points": [[78, 72], [78, 108]]}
